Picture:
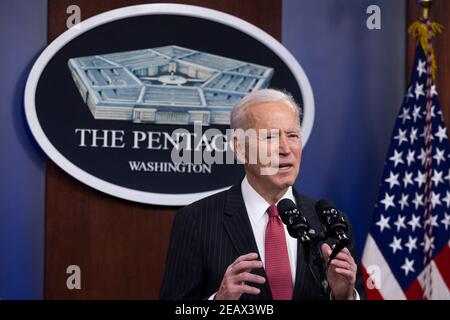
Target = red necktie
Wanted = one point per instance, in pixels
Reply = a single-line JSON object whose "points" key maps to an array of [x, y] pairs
{"points": [[277, 266]]}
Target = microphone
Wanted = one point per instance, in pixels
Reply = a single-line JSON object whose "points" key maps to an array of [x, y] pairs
{"points": [[298, 228], [295, 222], [334, 223]]}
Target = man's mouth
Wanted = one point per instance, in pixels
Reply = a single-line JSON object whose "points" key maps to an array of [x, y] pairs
{"points": [[285, 166]]}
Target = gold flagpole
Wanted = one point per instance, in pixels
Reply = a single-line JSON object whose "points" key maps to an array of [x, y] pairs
{"points": [[425, 4]]}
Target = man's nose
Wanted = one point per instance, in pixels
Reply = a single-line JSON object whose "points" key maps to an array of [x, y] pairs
{"points": [[284, 147]]}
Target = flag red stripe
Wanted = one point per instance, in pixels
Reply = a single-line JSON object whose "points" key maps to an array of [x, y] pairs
{"points": [[414, 292], [442, 261]]}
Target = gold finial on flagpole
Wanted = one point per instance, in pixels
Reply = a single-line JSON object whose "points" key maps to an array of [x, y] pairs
{"points": [[425, 4], [424, 30]]}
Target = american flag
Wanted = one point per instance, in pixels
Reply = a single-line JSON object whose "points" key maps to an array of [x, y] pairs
{"points": [[407, 251]]}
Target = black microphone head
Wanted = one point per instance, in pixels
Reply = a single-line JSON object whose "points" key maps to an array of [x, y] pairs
{"points": [[295, 222], [324, 205], [333, 220], [286, 208], [285, 205]]}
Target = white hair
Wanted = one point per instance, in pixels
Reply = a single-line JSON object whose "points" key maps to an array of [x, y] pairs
{"points": [[238, 114]]}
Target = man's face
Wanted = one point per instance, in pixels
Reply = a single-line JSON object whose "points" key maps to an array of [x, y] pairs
{"points": [[277, 131]]}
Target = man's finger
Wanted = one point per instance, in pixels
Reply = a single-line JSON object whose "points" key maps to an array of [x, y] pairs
{"points": [[246, 257], [346, 273], [341, 264], [243, 288], [346, 251], [246, 266], [326, 250], [249, 277], [344, 257]]}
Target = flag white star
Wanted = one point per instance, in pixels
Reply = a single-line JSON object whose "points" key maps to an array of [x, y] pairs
{"points": [[432, 220], [418, 91], [432, 111], [383, 223], [428, 243], [410, 157], [409, 93], [400, 223], [416, 113], [418, 200], [413, 135], [396, 244], [405, 115], [401, 137], [397, 158], [446, 199], [407, 179], [433, 90], [392, 180], [441, 133], [408, 266], [439, 156], [420, 179], [422, 156], [403, 201], [437, 177], [435, 199], [411, 244], [414, 222], [447, 177], [421, 67], [446, 221], [388, 201]]}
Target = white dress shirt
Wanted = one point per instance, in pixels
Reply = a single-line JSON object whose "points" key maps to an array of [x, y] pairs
{"points": [[257, 207]]}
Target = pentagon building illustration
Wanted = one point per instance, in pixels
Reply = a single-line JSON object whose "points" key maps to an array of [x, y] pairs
{"points": [[166, 85]]}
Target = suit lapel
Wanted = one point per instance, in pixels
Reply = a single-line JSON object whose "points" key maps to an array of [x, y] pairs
{"points": [[238, 227]]}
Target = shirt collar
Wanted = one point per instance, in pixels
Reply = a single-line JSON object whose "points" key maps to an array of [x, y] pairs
{"points": [[255, 204]]}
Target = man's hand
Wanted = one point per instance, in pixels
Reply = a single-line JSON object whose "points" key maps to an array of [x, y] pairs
{"points": [[237, 274], [341, 273]]}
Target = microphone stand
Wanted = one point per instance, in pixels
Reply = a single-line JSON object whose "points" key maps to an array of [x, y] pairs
{"points": [[298, 228], [312, 252], [319, 263]]}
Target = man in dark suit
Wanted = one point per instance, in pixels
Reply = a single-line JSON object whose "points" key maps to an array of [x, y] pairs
{"points": [[233, 245]]}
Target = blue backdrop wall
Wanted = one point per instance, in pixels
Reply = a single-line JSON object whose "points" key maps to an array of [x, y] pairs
{"points": [[357, 76], [23, 35], [358, 80]]}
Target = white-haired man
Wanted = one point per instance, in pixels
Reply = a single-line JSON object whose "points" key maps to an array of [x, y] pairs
{"points": [[233, 245]]}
